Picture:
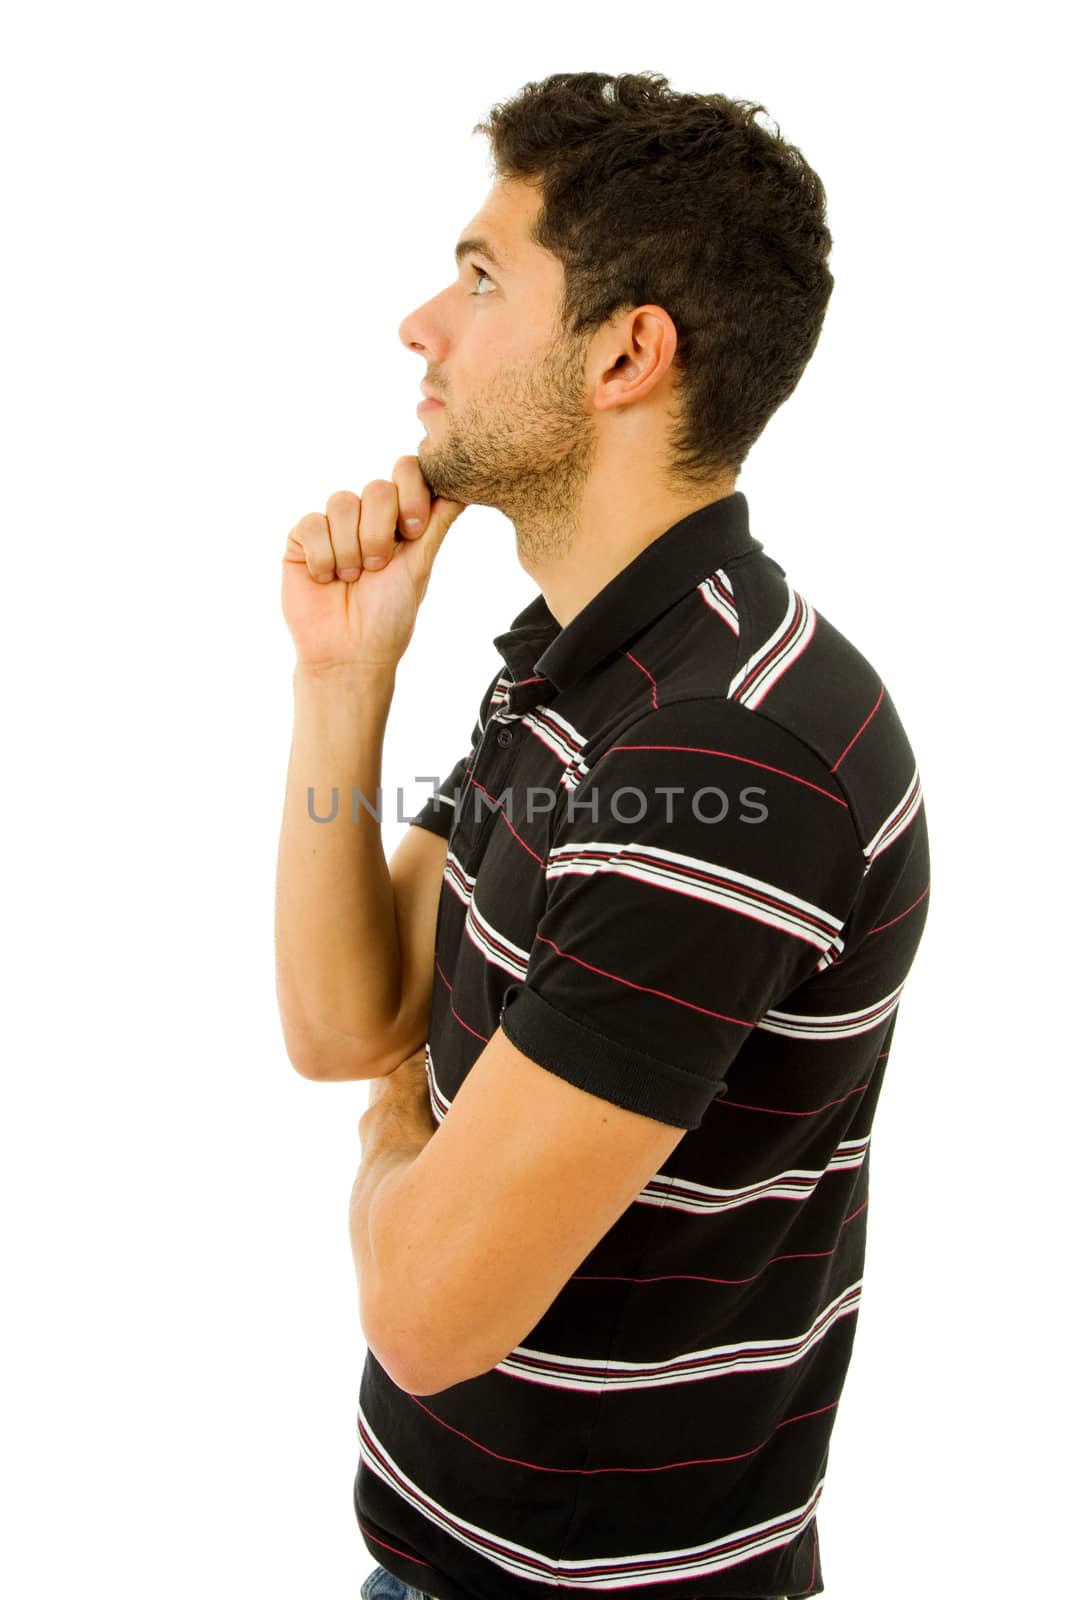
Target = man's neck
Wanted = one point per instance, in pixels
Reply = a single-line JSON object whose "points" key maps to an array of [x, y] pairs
{"points": [[608, 537]]}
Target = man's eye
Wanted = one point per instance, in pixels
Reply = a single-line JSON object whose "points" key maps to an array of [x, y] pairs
{"points": [[478, 273]]}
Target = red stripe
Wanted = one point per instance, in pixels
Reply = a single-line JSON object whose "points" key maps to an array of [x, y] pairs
{"points": [[502, 813], [883, 925], [596, 1472], [772, 1111], [648, 675], [484, 1037], [859, 730], [403, 1554], [701, 1277], [702, 750], [614, 976]]}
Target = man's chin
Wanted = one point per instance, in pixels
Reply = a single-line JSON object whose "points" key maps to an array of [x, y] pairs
{"points": [[438, 480]]}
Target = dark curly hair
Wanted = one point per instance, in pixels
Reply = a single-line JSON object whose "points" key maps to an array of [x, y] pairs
{"points": [[652, 196]]}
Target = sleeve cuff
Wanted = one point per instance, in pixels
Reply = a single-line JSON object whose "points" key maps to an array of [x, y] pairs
{"points": [[604, 1067], [436, 816], [433, 822]]}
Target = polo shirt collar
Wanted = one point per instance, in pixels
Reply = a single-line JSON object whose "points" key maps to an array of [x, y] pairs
{"points": [[659, 575]]}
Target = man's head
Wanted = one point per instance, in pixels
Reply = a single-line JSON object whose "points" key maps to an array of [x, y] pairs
{"points": [[651, 282]]}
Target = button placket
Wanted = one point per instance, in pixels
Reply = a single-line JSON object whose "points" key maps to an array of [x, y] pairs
{"points": [[491, 768]]}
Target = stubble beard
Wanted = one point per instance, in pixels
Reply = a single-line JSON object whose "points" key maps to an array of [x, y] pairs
{"points": [[525, 445]]}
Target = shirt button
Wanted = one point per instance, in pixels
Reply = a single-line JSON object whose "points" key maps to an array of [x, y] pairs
{"points": [[505, 736]]}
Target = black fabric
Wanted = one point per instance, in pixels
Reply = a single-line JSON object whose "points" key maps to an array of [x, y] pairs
{"points": [[688, 871]]}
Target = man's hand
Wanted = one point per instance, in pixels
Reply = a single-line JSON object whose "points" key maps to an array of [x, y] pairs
{"points": [[381, 546], [398, 1105]]}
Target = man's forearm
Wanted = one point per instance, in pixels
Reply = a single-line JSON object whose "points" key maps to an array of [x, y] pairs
{"points": [[388, 1153], [336, 943]]}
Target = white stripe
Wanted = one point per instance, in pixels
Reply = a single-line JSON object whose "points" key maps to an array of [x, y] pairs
{"points": [[554, 1371], [594, 1573], [565, 858], [775, 664], [701, 1199], [512, 959], [834, 1025], [719, 603], [898, 819]]}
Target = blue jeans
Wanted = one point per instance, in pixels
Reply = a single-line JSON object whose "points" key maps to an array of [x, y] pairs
{"points": [[381, 1585]]}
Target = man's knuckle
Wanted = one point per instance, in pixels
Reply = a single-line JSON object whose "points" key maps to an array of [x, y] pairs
{"points": [[381, 489]]}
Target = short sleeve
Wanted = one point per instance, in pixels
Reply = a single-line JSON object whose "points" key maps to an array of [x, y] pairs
{"points": [[439, 811], [697, 874]]}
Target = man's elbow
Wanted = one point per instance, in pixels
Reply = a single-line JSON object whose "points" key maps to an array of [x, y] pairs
{"points": [[407, 1379], [416, 1360], [337, 1058], [422, 1379], [322, 1060]]}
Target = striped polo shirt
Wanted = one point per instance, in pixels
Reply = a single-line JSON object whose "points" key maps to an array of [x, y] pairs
{"points": [[688, 872]]}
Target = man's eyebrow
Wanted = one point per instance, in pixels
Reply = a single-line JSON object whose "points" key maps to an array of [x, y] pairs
{"points": [[481, 247]]}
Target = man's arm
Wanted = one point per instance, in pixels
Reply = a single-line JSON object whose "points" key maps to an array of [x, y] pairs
{"points": [[352, 995], [354, 935]]}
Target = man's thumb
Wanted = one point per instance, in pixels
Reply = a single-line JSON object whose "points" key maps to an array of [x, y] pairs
{"points": [[443, 514]]}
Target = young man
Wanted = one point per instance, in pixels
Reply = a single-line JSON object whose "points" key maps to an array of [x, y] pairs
{"points": [[627, 991]]}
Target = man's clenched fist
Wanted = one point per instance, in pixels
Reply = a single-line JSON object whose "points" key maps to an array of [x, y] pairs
{"points": [[353, 578]]}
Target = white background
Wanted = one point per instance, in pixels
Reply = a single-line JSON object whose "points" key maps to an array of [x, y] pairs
{"points": [[216, 217]]}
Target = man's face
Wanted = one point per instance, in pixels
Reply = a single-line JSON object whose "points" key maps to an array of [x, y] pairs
{"points": [[515, 430]]}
